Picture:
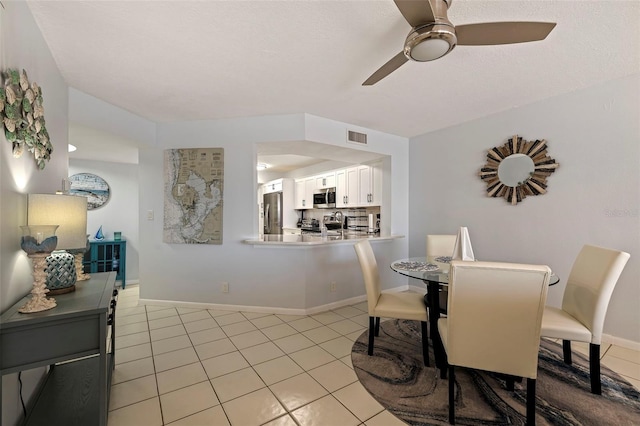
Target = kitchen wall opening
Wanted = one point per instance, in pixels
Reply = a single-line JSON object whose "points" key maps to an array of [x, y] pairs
{"points": [[312, 188]]}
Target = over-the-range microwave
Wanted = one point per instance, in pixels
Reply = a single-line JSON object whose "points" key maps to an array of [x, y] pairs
{"points": [[325, 199]]}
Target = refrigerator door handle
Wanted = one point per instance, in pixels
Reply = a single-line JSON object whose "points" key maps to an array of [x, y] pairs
{"points": [[267, 225]]}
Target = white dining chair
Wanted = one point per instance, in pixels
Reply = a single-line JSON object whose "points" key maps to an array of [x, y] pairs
{"points": [[409, 306], [440, 245], [593, 277], [493, 323]]}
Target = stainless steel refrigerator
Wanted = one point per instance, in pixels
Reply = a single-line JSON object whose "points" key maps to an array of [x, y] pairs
{"points": [[272, 205]]}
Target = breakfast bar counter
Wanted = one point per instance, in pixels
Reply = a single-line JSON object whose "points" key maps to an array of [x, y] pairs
{"points": [[308, 240]]}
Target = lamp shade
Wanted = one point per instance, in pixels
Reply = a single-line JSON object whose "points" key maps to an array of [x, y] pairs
{"points": [[67, 211]]}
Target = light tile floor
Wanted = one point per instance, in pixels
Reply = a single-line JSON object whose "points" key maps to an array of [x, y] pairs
{"points": [[196, 367]]}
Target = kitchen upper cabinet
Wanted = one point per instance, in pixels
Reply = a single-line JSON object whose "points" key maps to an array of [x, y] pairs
{"points": [[347, 187], [300, 195], [304, 189], [369, 185], [272, 186], [327, 180]]}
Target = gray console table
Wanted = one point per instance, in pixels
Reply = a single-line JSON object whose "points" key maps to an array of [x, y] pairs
{"points": [[81, 330]]}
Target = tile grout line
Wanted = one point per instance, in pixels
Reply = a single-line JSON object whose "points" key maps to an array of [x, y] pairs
{"points": [[153, 363]]}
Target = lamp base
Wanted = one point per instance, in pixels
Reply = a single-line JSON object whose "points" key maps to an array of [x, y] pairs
{"points": [[80, 274], [39, 301]]}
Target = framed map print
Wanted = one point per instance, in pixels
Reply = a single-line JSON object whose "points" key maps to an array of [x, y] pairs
{"points": [[91, 186], [193, 195]]}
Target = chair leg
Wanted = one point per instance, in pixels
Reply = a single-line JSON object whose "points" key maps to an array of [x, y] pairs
{"points": [[531, 402], [377, 326], [425, 342], [372, 327], [511, 383], [452, 405], [566, 351], [594, 368]]}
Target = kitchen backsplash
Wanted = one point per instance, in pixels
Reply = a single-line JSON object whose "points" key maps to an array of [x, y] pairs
{"points": [[362, 214]]}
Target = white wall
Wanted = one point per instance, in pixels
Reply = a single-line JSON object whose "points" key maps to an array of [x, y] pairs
{"points": [[272, 277], [22, 47], [593, 198], [121, 212]]}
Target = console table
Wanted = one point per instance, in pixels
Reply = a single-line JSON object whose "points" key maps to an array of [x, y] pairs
{"points": [[81, 330]]}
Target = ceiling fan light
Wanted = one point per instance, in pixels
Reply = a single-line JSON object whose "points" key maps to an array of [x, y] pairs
{"points": [[430, 42], [430, 49]]}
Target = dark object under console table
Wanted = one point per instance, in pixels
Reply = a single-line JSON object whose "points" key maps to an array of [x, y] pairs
{"points": [[79, 335]]}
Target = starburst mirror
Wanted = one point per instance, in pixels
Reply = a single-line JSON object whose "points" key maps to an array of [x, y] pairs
{"points": [[517, 169]]}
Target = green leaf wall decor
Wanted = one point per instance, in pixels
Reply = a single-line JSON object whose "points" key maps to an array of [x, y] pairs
{"points": [[22, 113]]}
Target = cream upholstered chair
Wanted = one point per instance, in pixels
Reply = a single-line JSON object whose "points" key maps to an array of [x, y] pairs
{"points": [[493, 323], [440, 245], [586, 297], [408, 306]]}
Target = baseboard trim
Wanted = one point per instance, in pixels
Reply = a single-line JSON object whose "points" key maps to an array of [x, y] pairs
{"points": [[272, 309], [619, 341]]}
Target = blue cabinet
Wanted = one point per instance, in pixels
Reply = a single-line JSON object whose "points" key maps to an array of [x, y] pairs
{"points": [[105, 256]]}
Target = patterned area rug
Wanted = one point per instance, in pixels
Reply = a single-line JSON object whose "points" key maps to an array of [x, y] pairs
{"points": [[397, 379]]}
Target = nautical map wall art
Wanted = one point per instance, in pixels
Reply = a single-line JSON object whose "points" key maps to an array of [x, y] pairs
{"points": [[193, 195], [91, 186]]}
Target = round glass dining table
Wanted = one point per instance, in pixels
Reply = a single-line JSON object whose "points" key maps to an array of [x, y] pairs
{"points": [[434, 268], [434, 272]]}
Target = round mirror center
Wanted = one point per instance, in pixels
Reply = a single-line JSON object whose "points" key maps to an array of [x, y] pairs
{"points": [[515, 169]]}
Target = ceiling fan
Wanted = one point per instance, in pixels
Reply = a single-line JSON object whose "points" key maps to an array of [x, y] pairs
{"points": [[433, 35]]}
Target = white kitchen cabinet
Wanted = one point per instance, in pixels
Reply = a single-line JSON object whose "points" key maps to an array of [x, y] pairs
{"points": [[341, 188], [327, 180], [300, 194], [369, 185], [304, 189], [347, 187], [272, 186]]}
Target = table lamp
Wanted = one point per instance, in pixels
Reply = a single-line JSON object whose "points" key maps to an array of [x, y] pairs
{"points": [[38, 241], [69, 212]]}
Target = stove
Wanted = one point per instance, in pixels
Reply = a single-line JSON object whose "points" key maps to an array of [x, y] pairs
{"points": [[310, 226]]}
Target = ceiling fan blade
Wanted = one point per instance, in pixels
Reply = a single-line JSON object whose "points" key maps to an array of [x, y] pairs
{"points": [[489, 33], [416, 13], [393, 64]]}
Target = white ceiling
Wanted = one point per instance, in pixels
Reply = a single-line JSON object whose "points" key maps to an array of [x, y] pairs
{"points": [[194, 60]]}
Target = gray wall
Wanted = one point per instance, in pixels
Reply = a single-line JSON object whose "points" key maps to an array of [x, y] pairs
{"points": [[593, 198]]}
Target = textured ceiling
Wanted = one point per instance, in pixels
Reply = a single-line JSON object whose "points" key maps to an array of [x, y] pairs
{"points": [[194, 60]]}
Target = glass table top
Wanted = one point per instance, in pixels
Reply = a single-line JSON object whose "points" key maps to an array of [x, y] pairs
{"points": [[433, 268], [424, 268]]}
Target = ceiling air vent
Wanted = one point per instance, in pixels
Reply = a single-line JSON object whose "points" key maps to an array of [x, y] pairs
{"points": [[355, 137]]}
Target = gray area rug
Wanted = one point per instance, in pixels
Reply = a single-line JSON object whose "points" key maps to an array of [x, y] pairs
{"points": [[396, 377]]}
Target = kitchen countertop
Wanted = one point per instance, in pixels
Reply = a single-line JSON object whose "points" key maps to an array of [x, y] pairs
{"points": [[307, 240]]}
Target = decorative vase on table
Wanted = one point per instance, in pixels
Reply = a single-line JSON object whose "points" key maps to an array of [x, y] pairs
{"points": [[38, 241], [61, 272], [99, 235]]}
